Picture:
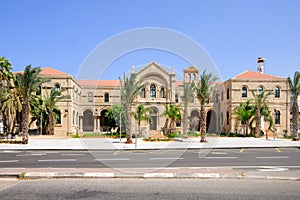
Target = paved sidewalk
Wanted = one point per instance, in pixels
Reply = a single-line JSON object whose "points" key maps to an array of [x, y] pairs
{"points": [[110, 144]]}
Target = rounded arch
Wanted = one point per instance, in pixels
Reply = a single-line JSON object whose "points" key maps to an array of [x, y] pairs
{"points": [[103, 120], [211, 121], [88, 121], [154, 118], [195, 120]]}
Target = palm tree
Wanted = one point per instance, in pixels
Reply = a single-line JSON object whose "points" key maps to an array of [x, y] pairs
{"points": [[130, 89], [50, 103], [295, 91], [5, 71], [260, 101], [27, 83], [244, 113], [173, 115], [5, 76], [188, 94], [141, 114], [11, 104], [204, 89]]}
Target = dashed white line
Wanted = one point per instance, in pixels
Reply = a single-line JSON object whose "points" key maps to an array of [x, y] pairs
{"points": [[273, 157], [7, 161], [165, 158], [219, 157], [58, 160], [112, 159]]}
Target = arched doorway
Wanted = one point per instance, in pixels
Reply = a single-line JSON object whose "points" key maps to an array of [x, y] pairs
{"points": [[194, 121], [153, 122], [211, 122], [88, 121], [103, 120]]}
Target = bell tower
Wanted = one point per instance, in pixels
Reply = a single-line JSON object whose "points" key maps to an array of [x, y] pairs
{"points": [[260, 67], [190, 74]]}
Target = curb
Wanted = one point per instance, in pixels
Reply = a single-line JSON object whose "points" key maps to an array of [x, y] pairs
{"points": [[60, 175]]}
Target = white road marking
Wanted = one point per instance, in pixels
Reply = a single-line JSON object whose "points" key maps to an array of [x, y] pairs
{"points": [[34, 154], [58, 160], [219, 157], [7, 161], [273, 169], [272, 157], [112, 159], [219, 153], [165, 158]]}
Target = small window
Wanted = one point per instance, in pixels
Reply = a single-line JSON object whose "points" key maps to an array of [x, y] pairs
{"points": [[227, 93], [143, 93], [176, 98], [244, 92], [57, 87], [152, 91], [192, 99], [162, 93], [58, 117], [277, 92], [227, 118], [277, 117], [222, 119], [260, 90], [106, 97], [90, 97]]}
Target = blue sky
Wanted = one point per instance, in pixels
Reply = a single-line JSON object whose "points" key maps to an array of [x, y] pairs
{"points": [[62, 33]]}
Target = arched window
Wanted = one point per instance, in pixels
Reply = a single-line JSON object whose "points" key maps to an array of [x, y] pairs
{"points": [[90, 97], [260, 90], [106, 97], [244, 92], [152, 91], [162, 93], [176, 98], [277, 92], [192, 99], [227, 117], [57, 87], [143, 93], [58, 117], [277, 117], [227, 93]]}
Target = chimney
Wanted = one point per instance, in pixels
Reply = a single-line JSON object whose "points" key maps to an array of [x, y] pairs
{"points": [[260, 61]]}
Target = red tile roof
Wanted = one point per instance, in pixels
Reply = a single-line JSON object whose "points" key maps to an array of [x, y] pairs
{"points": [[52, 72], [112, 83], [254, 75]]}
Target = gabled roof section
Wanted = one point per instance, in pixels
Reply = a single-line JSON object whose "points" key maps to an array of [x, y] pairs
{"points": [[191, 69], [52, 72], [254, 75], [99, 83], [153, 66]]}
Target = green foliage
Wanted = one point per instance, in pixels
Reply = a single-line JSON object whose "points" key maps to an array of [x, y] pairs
{"points": [[113, 116]]}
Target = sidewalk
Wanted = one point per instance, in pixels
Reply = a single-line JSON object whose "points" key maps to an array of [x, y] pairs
{"points": [[40, 142]]}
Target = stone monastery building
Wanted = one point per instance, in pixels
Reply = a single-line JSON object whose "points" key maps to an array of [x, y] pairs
{"points": [[89, 100]]}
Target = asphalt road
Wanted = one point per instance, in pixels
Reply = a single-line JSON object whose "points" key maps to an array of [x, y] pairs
{"points": [[149, 189], [286, 157]]}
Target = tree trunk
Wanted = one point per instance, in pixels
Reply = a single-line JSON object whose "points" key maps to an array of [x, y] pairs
{"points": [[202, 124], [166, 126], [25, 115], [295, 121], [258, 125], [51, 123], [5, 126], [185, 123], [128, 125]]}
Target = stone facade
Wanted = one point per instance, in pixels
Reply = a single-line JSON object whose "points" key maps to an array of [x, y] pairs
{"points": [[89, 100]]}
